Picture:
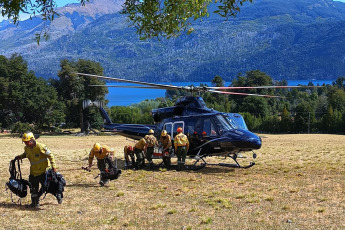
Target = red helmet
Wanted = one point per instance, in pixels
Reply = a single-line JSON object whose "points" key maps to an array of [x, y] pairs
{"points": [[204, 133], [195, 132], [130, 148], [179, 130]]}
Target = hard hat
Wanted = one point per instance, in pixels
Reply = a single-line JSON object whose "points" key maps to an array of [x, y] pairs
{"points": [[28, 136], [130, 148], [204, 133], [151, 131], [164, 133], [195, 132], [96, 147], [179, 129]]}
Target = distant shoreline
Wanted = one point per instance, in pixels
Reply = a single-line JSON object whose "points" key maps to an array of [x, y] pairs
{"points": [[128, 96]]}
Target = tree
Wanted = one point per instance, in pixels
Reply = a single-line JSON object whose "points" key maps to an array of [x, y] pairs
{"points": [[26, 98], [217, 81], [257, 106], [151, 18], [73, 89], [304, 117], [285, 124]]}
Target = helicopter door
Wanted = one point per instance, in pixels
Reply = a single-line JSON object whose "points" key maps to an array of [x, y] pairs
{"points": [[175, 126]]}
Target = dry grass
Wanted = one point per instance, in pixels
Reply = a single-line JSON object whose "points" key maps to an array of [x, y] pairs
{"points": [[298, 183]]}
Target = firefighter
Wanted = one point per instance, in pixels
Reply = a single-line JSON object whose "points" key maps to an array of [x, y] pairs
{"points": [[139, 149], [129, 153], [165, 139], [181, 148], [41, 159], [151, 143], [101, 152]]}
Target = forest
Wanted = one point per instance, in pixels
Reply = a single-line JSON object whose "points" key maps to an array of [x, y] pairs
{"points": [[31, 103]]}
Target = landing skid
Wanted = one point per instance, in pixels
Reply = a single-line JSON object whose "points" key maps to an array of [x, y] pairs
{"points": [[201, 163]]}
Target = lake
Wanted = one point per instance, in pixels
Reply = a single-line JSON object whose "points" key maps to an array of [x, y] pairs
{"points": [[128, 96]]}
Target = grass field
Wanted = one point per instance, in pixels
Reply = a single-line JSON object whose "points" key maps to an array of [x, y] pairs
{"points": [[298, 182]]}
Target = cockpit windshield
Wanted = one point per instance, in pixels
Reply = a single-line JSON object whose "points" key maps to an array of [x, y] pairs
{"points": [[222, 124], [236, 121]]}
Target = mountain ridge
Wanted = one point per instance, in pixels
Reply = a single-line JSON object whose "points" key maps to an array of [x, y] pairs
{"points": [[299, 39]]}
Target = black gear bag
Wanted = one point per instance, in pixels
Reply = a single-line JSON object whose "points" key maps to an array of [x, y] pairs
{"points": [[112, 172], [54, 183], [16, 184]]}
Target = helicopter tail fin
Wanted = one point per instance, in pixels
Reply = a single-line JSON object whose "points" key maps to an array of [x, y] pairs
{"points": [[99, 104]]}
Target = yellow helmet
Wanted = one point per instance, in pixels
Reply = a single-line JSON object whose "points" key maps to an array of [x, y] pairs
{"points": [[28, 136], [164, 133], [151, 131], [96, 147]]}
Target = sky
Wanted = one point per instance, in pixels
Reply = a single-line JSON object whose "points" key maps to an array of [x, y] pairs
{"points": [[59, 3]]}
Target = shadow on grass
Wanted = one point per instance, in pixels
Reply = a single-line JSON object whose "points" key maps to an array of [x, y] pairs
{"points": [[77, 185], [18, 206], [209, 169]]}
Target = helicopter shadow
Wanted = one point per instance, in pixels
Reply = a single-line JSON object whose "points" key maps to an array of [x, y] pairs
{"points": [[188, 168]]}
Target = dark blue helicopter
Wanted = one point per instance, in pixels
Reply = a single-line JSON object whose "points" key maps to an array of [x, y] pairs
{"points": [[210, 132]]}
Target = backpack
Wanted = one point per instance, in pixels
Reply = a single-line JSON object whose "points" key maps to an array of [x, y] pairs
{"points": [[112, 172], [16, 184], [54, 183], [150, 141]]}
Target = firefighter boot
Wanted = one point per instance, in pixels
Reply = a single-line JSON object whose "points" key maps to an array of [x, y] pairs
{"points": [[152, 165], [168, 160], [59, 198], [179, 167], [35, 202]]}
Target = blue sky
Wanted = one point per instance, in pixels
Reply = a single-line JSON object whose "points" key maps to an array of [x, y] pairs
{"points": [[59, 4]]}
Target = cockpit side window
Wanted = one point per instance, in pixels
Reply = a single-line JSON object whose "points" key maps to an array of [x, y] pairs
{"points": [[222, 124]]}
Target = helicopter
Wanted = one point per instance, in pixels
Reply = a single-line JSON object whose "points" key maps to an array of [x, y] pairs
{"points": [[210, 132]]}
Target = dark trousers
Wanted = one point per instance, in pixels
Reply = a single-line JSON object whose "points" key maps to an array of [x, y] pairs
{"points": [[140, 158], [181, 154], [35, 185], [149, 153], [102, 166]]}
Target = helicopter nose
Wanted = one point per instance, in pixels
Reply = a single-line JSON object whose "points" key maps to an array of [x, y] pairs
{"points": [[255, 142], [245, 139]]}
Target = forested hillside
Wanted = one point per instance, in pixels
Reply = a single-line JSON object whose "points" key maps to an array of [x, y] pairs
{"points": [[31, 103], [296, 39]]}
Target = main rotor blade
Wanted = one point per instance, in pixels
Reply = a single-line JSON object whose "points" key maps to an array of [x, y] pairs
{"points": [[129, 86], [262, 87], [245, 94], [136, 82]]}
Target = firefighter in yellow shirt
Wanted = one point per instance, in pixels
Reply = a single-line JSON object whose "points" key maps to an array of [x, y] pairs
{"points": [[101, 152], [139, 149], [129, 156], [151, 143], [165, 139], [181, 144], [41, 159]]}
